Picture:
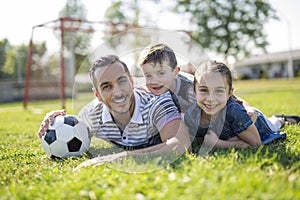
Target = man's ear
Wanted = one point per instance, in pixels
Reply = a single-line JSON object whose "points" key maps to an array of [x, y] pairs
{"points": [[96, 93], [131, 80]]}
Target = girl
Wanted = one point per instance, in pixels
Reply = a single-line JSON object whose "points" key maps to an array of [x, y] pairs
{"points": [[218, 118]]}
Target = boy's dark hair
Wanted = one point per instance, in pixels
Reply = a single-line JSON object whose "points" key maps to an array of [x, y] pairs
{"points": [[158, 53], [103, 62]]}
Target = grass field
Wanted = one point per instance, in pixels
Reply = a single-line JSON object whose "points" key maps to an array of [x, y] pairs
{"points": [[267, 172]]}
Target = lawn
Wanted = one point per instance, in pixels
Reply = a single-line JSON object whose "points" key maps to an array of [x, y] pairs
{"points": [[268, 172]]}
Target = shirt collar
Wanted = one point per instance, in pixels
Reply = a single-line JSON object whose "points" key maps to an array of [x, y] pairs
{"points": [[137, 114], [136, 117]]}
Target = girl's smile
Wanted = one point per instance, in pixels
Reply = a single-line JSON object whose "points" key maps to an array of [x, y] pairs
{"points": [[212, 92]]}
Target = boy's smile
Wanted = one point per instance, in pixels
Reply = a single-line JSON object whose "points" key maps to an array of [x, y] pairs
{"points": [[160, 77]]}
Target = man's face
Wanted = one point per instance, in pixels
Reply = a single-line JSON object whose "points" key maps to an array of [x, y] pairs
{"points": [[160, 77], [115, 88]]}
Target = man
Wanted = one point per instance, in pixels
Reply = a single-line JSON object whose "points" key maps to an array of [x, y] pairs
{"points": [[127, 117]]}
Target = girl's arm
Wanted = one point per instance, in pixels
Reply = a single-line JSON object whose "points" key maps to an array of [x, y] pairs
{"points": [[247, 138], [250, 110], [212, 140], [251, 136]]}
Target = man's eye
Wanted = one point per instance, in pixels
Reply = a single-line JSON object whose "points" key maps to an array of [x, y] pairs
{"points": [[106, 87], [123, 80]]}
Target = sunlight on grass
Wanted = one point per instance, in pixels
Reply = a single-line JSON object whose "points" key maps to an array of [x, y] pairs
{"points": [[267, 172]]}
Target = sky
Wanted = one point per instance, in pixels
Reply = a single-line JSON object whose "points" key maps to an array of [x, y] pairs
{"points": [[17, 18]]}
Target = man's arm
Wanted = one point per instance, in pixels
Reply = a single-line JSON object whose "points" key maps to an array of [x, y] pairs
{"points": [[175, 139]]}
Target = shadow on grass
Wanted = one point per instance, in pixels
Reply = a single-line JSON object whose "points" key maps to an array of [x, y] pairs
{"points": [[275, 153], [140, 163]]}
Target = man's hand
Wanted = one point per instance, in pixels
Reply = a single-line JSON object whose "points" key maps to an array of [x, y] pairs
{"points": [[101, 160], [49, 120], [210, 139]]}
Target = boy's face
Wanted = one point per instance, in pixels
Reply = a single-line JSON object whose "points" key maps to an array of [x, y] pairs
{"points": [[212, 92], [160, 77]]}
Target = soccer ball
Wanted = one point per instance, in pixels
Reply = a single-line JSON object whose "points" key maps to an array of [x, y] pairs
{"points": [[67, 137]]}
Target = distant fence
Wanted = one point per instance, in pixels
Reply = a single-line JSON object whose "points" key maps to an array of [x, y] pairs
{"points": [[11, 91]]}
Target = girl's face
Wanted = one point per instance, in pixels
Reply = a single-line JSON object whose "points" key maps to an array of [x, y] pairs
{"points": [[160, 77], [212, 92]]}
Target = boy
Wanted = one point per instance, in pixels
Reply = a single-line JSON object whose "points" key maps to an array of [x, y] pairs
{"points": [[159, 65]]}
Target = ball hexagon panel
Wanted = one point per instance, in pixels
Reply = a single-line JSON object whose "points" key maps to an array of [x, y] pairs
{"points": [[82, 131], [58, 121], [46, 147], [65, 133], [59, 149]]}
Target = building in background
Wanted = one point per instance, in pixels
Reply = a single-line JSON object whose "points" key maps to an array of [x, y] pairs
{"points": [[272, 65]]}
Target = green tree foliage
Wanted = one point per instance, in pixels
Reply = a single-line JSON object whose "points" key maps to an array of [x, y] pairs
{"points": [[230, 27], [16, 58], [4, 47], [125, 15], [79, 41], [120, 14]]}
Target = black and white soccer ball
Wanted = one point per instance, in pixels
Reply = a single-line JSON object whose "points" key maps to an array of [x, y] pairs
{"points": [[67, 137]]}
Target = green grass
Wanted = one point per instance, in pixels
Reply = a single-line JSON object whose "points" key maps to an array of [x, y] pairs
{"points": [[267, 172]]}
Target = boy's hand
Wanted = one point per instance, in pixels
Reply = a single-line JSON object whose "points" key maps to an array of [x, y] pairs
{"points": [[49, 120]]}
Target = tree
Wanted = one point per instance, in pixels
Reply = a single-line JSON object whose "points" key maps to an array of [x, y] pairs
{"points": [[124, 15], [120, 13], [230, 27], [76, 42], [4, 47], [15, 61]]}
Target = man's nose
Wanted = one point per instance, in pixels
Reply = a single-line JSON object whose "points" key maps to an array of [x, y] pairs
{"points": [[117, 89]]}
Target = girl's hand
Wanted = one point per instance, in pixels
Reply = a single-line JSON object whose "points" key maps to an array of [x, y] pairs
{"points": [[252, 113], [49, 120]]}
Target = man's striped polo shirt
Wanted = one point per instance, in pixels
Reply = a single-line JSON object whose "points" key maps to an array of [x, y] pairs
{"points": [[150, 115]]}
